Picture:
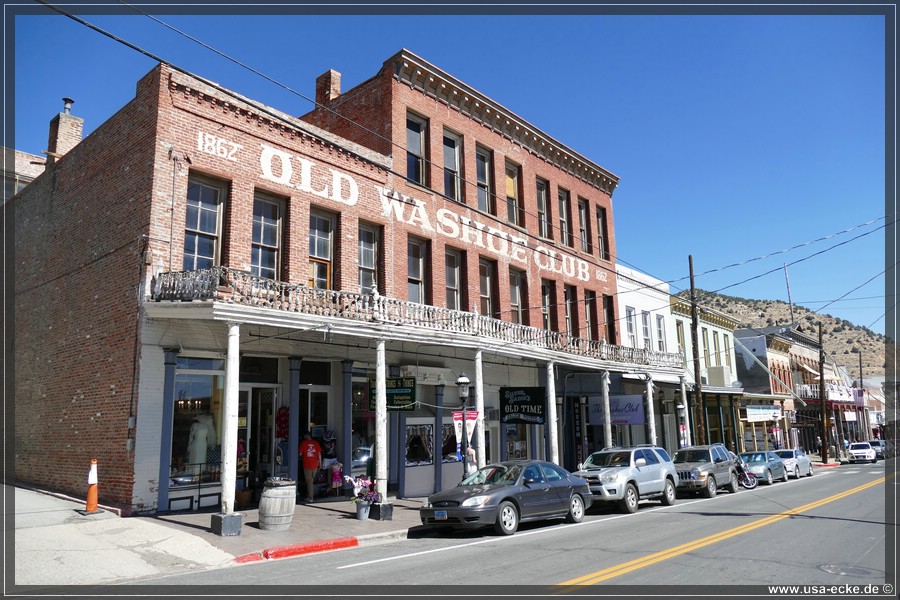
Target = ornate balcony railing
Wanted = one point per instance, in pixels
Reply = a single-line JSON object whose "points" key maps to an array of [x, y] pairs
{"points": [[833, 392], [241, 287]]}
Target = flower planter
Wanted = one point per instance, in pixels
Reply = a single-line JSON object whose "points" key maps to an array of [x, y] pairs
{"points": [[362, 510]]}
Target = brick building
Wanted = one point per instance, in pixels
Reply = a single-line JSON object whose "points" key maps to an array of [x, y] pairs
{"points": [[203, 278]]}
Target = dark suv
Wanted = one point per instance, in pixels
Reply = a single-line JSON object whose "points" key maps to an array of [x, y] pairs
{"points": [[705, 469]]}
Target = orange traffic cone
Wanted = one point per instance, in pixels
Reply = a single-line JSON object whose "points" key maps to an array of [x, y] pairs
{"points": [[91, 505]]}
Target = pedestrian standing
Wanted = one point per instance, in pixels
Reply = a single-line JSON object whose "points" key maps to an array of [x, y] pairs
{"points": [[311, 454]]}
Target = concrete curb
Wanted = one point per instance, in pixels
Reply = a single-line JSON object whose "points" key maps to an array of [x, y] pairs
{"points": [[278, 552]]}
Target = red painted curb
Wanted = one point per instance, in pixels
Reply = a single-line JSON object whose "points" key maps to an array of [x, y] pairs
{"points": [[248, 558], [309, 547]]}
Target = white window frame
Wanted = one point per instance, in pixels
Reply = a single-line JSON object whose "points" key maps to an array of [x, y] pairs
{"points": [[202, 225], [565, 231], [545, 223], [318, 243], [416, 281], [646, 330], [413, 157], [484, 169], [266, 236], [517, 296], [661, 333], [487, 271], [453, 166], [631, 326], [368, 245], [453, 278]]}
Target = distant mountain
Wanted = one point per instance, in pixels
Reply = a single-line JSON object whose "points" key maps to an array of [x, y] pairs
{"points": [[843, 340]]}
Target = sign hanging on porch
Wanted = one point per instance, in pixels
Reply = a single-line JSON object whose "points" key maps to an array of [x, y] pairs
{"points": [[523, 405], [758, 414], [627, 409], [471, 417], [400, 391]]}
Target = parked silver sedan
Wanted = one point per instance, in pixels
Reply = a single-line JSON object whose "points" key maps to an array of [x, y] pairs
{"points": [[766, 465], [796, 461]]}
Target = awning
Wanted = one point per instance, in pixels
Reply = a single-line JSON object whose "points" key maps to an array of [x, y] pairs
{"points": [[811, 370]]}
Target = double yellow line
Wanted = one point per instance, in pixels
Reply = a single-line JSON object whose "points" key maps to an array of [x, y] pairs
{"points": [[639, 563]]}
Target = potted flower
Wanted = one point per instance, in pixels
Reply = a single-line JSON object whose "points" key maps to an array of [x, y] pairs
{"points": [[364, 495]]}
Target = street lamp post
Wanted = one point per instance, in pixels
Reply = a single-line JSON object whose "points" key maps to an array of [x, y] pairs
{"points": [[462, 384]]}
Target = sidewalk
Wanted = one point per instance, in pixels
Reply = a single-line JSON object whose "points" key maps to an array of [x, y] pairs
{"points": [[57, 545]]}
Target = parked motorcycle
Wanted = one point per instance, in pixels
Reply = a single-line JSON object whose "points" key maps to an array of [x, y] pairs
{"points": [[746, 479]]}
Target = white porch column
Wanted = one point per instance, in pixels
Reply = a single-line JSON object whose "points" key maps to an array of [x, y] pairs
{"points": [[651, 415], [683, 414], [381, 454], [607, 418], [479, 406], [551, 424], [230, 418]]}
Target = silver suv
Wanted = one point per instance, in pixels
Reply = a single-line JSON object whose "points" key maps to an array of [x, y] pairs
{"points": [[705, 469], [629, 475]]}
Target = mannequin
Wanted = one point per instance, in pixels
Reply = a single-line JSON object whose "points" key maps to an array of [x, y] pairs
{"points": [[203, 435]]}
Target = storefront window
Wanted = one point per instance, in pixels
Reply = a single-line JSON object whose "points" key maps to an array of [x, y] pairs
{"points": [[197, 422], [363, 424]]}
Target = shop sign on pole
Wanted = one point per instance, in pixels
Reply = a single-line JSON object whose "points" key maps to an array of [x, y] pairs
{"points": [[400, 391]]}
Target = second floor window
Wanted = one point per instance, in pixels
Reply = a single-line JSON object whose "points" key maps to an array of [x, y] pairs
{"points": [[483, 170], [706, 356], [513, 199], [570, 298], [679, 336], [590, 315], [630, 327], [517, 296], [415, 149], [660, 333], [565, 225], [452, 169], [368, 259], [609, 318], [266, 246], [321, 250], [646, 331], [717, 360], [545, 223], [486, 286], [202, 224], [584, 232], [727, 351], [417, 252], [453, 274], [548, 300]]}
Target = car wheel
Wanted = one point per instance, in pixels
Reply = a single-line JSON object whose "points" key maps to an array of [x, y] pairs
{"points": [[629, 501], [769, 479], [733, 483], [507, 519], [668, 497], [796, 473], [710, 490], [576, 509], [874, 460], [809, 471], [785, 476]]}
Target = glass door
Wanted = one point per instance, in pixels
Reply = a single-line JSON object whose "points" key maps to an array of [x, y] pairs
{"points": [[256, 442]]}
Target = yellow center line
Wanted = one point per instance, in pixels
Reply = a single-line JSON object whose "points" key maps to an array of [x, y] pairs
{"points": [[638, 563]]}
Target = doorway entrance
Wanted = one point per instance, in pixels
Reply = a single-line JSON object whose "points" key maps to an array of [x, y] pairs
{"points": [[257, 447]]}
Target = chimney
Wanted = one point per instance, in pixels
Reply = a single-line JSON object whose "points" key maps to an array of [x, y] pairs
{"points": [[65, 132], [328, 86]]}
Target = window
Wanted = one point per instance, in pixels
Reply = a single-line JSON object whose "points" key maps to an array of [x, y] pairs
{"points": [[609, 312], [584, 232], [602, 233], [321, 250], [679, 335], [590, 315], [417, 251], [513, 208], [416, 128], [265, 249], [368, 258], [453, 269], [661, 333], [483, 169], [545, 223], [570, 297], [630, 327], [717, 350], [452, 166], [517, 297], [728, 350], [565, 227], [645, 330], [486, 271], [548, 300], [706, 360], [203, 222]]}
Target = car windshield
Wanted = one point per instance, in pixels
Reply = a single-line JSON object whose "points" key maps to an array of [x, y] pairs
{"points": [[608, 459], [860, 446], [785, 453], [498, 474], [689, 456], [754, 457]]}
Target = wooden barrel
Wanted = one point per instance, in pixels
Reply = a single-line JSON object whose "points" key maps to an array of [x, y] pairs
{"points": [[276, 506]]}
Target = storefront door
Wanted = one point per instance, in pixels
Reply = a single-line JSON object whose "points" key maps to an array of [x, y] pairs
{"points": [[256, 441]]}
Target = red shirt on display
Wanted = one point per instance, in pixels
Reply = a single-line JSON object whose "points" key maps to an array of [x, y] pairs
{"points": [[311, 453]]}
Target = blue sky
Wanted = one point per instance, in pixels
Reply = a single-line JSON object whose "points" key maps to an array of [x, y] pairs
{"points": [[735, 136]]}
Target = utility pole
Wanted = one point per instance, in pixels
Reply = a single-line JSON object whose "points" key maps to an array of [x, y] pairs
{"points": [[861, 405], [700, 405], [788, 283], [822, 398]]}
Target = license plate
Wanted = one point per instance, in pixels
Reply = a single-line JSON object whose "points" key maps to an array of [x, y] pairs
{"points": [[440, 515]]}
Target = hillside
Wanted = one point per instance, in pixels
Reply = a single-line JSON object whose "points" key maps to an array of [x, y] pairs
{"points": [[843, 340]]}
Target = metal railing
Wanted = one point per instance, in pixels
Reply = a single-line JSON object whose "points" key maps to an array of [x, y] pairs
{"points": [[225, 284]]}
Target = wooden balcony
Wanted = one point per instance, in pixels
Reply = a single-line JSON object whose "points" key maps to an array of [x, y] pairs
{"points": [[223, 284]]}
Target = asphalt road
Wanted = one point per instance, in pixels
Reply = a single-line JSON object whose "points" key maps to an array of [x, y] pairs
{"points": [[824, 530]]}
